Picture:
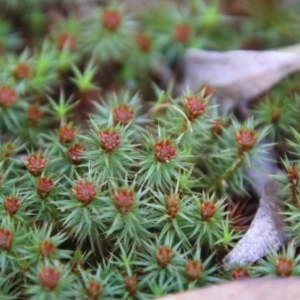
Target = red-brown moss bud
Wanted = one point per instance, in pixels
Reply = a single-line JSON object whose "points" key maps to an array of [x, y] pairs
{"points": [[67, 134], [75, 153], [246, 139], [47, 249], [6, 239], [130, 284], [195, 107], [8, 96], [164, 256], [164, 151], [123, 114], [239, 273], [85, 192], [44, 186], [182, 33], [66, 41], [11, 205], [207, 210], [93, 290], [111, 20], [172, 206], [49, 278], [194, 270], [293, 174], [109, 140], [36, 164], [144, 43], [284, 267], [124, 200], [22, 71], [34, 114]]}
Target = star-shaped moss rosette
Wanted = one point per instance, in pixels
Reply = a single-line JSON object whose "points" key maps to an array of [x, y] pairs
{"points": [[51, 280], [80, 205], [277, 114], [65, 35], [124, 109], [112, 150], [162, 160], [176, 31], [108, 33], [124, 209], [284, 263], [13, 104]]}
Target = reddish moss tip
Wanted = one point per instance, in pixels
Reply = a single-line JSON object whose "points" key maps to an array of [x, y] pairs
{"points": [[49, 278], [182, 33], [44, 186], [207, 210], [111, 20], [47, 249], [194, 270], [246, 139], [195, 107], [239, 273], [109, 140], [75, 154], [172, 206], [8, 96], [292, 174], [123, 114], [34, 114], [144, 43], [66, 41], [284, 267], [11, 205], [22, 71], [164, 256], [36, 164], [6, 239], [164, 151], [124, 199], [85, 192], [130, 284], [67, 134], [93, 290]]}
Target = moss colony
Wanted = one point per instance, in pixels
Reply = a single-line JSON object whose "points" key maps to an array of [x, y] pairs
{"points": [[112, 184]]}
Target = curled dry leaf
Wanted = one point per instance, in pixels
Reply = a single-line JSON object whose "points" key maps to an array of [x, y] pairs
{"points": [[250, 289], [266, 231], [239, 75]]}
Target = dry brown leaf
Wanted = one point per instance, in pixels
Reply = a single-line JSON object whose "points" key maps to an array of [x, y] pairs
{"points": [[239, 75], [266, 231], [249, 289]]}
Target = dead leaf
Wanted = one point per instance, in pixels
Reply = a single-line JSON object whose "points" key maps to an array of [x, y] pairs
{"points": [[266, 231], [239, 75], [249, 289]]}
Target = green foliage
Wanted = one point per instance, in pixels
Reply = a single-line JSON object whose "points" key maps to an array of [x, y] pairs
{"points": [[131, 201]]}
